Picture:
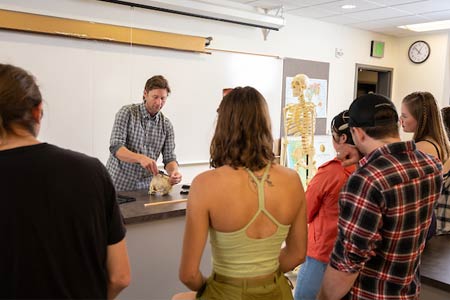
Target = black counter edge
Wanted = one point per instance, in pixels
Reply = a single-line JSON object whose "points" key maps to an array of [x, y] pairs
{"points": [[155, 217], [435, 283]]}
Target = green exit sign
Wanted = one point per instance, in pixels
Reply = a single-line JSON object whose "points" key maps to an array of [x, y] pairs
{"points": [[377, 49]]}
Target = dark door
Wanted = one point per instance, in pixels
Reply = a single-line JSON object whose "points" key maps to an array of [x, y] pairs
{"points": [[373, 79]]}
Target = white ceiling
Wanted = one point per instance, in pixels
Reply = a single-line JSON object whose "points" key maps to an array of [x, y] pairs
{"points": [[375, 15]]}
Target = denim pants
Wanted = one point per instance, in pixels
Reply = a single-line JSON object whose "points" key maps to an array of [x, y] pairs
{"points": [[309, 279]]}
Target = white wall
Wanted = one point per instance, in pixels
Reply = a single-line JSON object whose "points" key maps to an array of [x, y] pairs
{"points": [[301, 38], [428, 76], [431, 76]]}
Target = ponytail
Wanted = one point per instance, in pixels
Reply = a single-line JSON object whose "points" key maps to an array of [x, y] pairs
{"points": [[19, 94]]}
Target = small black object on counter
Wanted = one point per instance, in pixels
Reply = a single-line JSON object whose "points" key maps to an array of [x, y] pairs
{"points": [[124, 199]]}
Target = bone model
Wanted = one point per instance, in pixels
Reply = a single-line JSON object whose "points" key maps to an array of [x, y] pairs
{"points": [[299, 120]]}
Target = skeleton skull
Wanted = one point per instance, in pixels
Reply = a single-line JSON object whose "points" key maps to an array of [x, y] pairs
{"points": [[160, 185], [299, 84]]}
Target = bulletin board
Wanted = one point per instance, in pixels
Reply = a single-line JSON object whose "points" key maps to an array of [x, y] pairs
{"points": [[317, 93], [318, 73]]}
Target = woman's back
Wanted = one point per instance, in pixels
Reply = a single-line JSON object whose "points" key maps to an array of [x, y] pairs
{"points": [[250, 216], [233, 199]]}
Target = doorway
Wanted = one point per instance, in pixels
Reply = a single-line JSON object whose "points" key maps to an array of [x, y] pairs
{"points": [[373, 79]]}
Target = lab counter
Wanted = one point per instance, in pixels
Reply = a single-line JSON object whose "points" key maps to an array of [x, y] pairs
{"points": [[155, 227], [435, 265], [152, 207]]}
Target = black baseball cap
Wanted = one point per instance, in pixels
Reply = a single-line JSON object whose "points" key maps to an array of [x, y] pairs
{"points": [[363, 111]]}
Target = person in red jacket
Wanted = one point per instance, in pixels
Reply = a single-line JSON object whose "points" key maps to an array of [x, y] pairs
{"points": [[322, 211]]}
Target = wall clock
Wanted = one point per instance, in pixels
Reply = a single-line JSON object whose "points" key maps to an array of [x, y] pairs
{"points": [[419, 51]]}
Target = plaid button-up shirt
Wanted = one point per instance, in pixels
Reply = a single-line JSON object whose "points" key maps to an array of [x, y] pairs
{"points": [[443, 208], [141, 133], [385, 213]]}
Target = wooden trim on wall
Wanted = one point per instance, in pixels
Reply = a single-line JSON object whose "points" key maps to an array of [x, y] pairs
{"points": [[35, 23]]}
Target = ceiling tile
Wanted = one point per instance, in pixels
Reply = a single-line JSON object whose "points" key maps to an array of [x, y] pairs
{"points": [[311, 12], [395, 2], [341, 19], [379, 14], [425, 7], [437, 16], [392, 22], [306, 3], [336, 6]]}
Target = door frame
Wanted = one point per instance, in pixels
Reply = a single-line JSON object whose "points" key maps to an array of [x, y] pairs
{"points": [[379, 69]]}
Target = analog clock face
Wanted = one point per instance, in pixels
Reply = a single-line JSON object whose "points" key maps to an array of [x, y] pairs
{"points": [[419, 52]]}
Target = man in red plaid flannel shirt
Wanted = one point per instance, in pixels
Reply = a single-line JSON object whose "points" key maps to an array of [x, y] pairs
{"points": [[385, 210]]}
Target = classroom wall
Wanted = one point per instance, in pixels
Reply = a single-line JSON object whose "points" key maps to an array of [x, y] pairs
{"points": [[301, 38], [432, 75]]}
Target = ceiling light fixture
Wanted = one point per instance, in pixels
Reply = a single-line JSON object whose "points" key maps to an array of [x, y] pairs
{"points": [[348, 6], [429, 26], [210, 11]]}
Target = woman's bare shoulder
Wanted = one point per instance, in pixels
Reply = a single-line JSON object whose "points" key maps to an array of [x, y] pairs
{"points": [[204, 177], [284, 171], [212, 177], [428, 147]]}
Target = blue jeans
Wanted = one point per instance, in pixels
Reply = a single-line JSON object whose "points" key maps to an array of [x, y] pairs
{"points": [[309, 279]]}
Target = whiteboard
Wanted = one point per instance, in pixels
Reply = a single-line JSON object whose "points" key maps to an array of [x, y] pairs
{"points": [[84, 83]]}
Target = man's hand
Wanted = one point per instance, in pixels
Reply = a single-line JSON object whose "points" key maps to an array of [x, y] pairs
{"points": [[336, 284], [348, 154], [148, 164], [175, 178]]}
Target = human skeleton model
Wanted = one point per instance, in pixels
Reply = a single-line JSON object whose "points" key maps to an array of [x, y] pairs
{"points": [[299, 120]]}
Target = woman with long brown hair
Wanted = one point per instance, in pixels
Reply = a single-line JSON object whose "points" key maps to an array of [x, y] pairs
{"points": [[249, 204], [420, 114]]}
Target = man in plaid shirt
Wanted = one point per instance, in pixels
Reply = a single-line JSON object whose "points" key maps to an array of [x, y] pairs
{"points": [[385, 210], [140, 134]]}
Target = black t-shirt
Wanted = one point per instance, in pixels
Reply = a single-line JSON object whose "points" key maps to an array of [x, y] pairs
{"points": [[59, 214]]}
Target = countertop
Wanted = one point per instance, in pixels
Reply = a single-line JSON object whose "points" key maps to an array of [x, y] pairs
{"points": [[435, 266], [167, 206]]}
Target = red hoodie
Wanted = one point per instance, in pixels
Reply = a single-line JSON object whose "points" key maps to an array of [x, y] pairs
{"points": [[322, 196]]}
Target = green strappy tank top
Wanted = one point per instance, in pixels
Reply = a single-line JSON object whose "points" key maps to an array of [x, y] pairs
{"points": [[235, 254]]}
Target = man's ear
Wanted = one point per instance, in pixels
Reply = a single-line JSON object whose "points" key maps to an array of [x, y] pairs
{"points": [[144, 95], [361, 135]]}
